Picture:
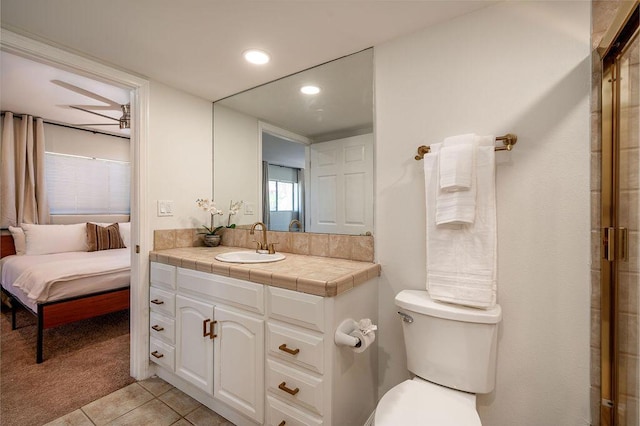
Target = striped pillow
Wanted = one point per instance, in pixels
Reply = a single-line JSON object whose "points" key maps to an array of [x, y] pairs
{"points": [[104, 237]]}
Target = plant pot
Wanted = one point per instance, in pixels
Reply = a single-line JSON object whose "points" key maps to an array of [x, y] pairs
{"points": [[211, 240]]}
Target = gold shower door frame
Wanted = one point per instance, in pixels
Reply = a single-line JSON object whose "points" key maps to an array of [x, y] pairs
{"points": [[618, 224]]}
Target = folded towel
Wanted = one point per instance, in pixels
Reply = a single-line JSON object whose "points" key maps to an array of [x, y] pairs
{"points": [[457, 163], [456, 196], [461, 260]]}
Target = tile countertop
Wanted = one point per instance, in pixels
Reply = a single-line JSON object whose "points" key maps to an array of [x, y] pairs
{"points": [[322, 276]]}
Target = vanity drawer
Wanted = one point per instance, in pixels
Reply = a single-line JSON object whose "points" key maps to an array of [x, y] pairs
{"points": [[239, 293], [298, 308], [162, 353], [279, 412], [162, 327], [163, 275], [162, 301], [296, 346], [295, 386]]}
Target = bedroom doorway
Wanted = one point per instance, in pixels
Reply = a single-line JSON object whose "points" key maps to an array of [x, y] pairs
{"points": [[140, 234]]}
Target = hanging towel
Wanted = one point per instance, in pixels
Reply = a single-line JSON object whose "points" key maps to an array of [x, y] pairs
{"points": [[456, 196], [457, 163], [461, 259]]}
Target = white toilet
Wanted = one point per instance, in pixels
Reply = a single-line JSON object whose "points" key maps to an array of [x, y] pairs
{"points": [[452, 352]]}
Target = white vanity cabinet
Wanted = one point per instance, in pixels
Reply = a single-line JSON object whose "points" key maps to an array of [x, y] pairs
{"points": [[260, 354], [296, 357], [309, 379], [217, 351]]}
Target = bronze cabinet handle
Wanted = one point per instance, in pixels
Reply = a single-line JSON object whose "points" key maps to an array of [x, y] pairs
{"points": [[157, 354], [282, 423], [157, 302], [283, 386], [209, 333], [283, 347], [157, 327]]}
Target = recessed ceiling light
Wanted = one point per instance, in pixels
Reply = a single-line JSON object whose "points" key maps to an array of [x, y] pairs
{"points": [[310, 90], [255, 56]]}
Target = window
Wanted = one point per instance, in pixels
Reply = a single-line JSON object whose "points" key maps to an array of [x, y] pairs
{"points": [[283, 196], [82, 185]]}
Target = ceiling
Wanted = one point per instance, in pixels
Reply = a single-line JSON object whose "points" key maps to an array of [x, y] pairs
{"points": [[30, 87], [196, 45]]}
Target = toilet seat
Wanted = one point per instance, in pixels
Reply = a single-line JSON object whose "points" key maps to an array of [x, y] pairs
{"points": [[419, 402]]}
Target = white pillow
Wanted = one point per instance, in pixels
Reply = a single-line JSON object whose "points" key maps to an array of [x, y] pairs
{"points": [[125, 233], [47, 239], [19, 239]]}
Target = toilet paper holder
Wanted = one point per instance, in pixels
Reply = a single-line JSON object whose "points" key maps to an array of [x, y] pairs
{"points": [[343, 335]]}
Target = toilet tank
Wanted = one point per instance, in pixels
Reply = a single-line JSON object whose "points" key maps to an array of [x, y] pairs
{"points": [[454, 346]]}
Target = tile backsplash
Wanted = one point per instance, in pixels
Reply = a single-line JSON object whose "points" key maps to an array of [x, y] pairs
{"points": [[352, 247]]}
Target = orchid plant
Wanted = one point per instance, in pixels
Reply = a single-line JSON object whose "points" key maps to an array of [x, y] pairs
{"points": [[210, 207]]}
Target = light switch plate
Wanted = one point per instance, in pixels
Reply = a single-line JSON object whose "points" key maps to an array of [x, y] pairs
{"points": [[249, 208], [165, 207]]}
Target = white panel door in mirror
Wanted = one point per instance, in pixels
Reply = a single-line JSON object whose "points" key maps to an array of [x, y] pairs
{"points": [[342, 186]]}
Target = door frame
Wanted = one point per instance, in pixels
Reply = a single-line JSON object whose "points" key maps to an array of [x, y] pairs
{"points": [[264, 127], [140, 234]]}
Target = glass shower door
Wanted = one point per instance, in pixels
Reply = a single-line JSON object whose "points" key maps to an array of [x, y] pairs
{"points": [[620, 369], [627, 348]]}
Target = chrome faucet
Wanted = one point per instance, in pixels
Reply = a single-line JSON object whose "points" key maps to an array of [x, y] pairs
{"points": [[293, 223], [261, 246]]}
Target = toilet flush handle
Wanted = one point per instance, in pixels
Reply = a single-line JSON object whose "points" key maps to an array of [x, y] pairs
{"points": [[405, 317]]}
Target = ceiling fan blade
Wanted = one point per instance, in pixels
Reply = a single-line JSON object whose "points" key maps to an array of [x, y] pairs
{"points": [[96, 107], [96, 124], [86, 93], [93, 112]]}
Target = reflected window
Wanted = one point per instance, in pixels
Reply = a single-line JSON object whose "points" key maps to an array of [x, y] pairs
{"points": [[283, 196]]}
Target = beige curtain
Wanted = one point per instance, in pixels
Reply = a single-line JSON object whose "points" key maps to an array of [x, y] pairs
{"points": [[23, 197]]}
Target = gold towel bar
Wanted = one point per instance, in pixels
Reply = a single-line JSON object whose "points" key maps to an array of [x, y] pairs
{"points": [[509, 141]]}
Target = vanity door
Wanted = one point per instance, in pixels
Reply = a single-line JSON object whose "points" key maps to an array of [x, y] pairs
{"points": [[239, 361], [194, 342]]}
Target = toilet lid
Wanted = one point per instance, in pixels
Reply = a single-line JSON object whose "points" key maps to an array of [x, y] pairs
{"points": [[418, 402]]}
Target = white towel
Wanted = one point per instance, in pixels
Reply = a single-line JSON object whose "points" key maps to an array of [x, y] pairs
{"points": [[461, 259], [457, 163], [456, 196]]}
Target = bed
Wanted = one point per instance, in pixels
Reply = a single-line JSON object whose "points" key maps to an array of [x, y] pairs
{"points": [[61, 288]]}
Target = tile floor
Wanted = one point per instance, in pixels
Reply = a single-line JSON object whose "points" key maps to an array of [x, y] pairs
{"points": [[149, 402]]}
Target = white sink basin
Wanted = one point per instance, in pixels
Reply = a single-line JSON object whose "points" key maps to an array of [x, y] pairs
{"points": [[249, 257]]}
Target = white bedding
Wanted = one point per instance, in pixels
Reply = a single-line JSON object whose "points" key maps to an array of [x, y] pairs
{"points": [[36, 279]]}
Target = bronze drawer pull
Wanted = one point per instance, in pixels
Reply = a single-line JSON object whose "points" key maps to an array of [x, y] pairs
{"points": [[283, 386], [157, 354], [157, 327], [157, 302], [282, 423], [283, 347]]}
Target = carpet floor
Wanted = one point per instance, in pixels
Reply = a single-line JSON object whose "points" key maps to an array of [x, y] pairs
{"points": [[83, 361]]}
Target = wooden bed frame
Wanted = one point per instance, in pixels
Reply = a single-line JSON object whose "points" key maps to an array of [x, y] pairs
{"points": [[65, 311]]}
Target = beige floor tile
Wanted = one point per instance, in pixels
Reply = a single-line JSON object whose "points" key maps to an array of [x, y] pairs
{"points": [[179, 401], [116, 404], [155, 385], [205, 417], [152, 413], [75, 418], [182, 422]]}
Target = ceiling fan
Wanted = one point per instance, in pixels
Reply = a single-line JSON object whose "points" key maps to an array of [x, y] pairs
{"points": [[124, 122]]}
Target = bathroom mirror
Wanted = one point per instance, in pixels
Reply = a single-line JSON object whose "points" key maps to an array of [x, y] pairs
{"points": [[300, 162]]}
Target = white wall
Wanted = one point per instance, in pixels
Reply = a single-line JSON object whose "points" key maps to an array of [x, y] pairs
{"points": [[520, 67], [179, 156], [236, 170]]}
